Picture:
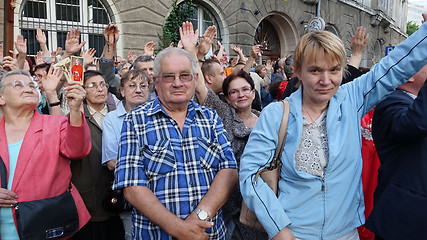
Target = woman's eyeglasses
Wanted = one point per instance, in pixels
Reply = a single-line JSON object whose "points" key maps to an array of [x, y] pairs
{"points": [[20, 84], [236, 92]]}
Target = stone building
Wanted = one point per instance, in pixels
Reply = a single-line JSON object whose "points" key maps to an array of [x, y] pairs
{"points": [[277, 23]]}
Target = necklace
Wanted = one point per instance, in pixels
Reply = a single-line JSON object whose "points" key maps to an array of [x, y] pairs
{"points": [[308, 114]]}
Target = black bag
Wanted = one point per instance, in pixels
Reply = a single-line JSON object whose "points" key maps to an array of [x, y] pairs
{"points": [[115, 202], [48, 218]]}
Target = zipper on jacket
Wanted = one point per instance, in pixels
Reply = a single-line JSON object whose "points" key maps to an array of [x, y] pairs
{"points": [[323, 184], [323, 192]]}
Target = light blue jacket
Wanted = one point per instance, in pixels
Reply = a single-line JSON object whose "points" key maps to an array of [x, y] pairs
{"points": [[302, 206]]}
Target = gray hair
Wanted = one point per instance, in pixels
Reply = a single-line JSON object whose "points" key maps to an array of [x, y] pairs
{"points": [[11, 73], [169, 51]]}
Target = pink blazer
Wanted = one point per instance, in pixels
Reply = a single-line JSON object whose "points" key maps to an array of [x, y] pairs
{"points": [[43, 168]]}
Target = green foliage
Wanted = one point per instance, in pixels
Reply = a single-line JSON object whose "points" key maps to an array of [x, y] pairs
{"points": [[179, 14], [411, 27]]}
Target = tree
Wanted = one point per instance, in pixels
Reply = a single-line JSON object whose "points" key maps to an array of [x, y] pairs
{"points": [[179, 14], [411, 27]]}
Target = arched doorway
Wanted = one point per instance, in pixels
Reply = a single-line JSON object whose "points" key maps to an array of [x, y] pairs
{"points": [[279, 35]]}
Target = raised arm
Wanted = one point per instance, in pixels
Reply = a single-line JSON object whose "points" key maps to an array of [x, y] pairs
{"points": [[189, 41], [41, 38], [50, 84], [255, 51], [21, 47], [106, 64]]}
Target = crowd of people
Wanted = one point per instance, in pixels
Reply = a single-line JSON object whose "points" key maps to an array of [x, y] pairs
{"points": [[180, 136]]}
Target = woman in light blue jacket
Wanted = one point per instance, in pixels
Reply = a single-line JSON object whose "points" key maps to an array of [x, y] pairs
{"points": [[320, 189]]}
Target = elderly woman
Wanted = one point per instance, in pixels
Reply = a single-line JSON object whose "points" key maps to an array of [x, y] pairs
{"points": [[135, 88], [320, 189], [36, 148]]}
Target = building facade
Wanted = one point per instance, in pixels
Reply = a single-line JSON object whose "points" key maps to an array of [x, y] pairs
{"points": [[415, 10], [278, 24]]}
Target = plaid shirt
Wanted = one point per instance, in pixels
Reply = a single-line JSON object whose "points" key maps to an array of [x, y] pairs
{"points": [[178, 167]]}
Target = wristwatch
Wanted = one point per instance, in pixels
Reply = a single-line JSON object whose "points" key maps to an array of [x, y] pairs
{"points": [[202, 214]]}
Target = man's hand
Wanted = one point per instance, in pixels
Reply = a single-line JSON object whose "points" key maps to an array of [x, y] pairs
{"points": [[72, 44], [194, 228], [111, 34], [188, 37], [284, 234], [149, 49], [7, 198], [206, 42], [21, 45]]}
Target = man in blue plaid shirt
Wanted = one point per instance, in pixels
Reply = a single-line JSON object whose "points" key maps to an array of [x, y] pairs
{"points": [[176, 164]]}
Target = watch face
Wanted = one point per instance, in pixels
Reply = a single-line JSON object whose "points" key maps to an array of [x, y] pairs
{"points": [[203, 215]]}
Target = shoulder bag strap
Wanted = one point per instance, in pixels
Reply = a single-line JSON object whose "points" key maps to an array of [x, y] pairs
{"points": [[3, 173], [277, 158]]}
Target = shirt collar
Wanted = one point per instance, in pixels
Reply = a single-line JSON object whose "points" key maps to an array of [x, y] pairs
{"points": [[121, 111], [103, 111], [157, 107]]}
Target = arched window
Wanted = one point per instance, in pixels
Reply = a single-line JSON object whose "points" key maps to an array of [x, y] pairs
{"points": [[56, 17]]}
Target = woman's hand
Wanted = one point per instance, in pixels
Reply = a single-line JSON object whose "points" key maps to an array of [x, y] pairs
{"points": [[7, 198], [75, 94], [284, 234]]}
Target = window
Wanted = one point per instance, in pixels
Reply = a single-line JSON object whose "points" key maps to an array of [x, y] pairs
{"points": [[56, 17], [202, 19]]}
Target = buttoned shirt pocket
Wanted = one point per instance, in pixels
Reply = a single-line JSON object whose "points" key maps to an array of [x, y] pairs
{"points": [[208, 153], [159, 159]]}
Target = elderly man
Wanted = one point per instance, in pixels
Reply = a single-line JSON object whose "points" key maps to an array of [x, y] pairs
{"points": [[175, 161]]}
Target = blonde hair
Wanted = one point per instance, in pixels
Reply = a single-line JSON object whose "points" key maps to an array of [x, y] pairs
{"points": [[317, 45]]}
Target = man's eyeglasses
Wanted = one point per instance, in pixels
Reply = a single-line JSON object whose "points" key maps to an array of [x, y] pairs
{"points": [[94, 86], [236, 92], [133, 86], [184, 77], [20, 84]]}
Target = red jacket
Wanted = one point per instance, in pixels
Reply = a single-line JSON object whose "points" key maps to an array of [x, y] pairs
{"points": [[43, 168]]}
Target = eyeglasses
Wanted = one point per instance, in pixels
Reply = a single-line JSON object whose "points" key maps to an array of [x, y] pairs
{"points": [[134, 86], [93, 86], [236, 92], [20, 84], [37, 76], [184, 77]]}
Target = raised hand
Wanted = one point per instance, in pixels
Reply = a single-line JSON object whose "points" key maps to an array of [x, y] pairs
{"points": [[206, 42], [51, 81], [188, 37], [149, 49], [72, 44], [21, 45], [359, 41], [39, 58], [88, 56], [111, 34], [256, 51], [41, 37]]}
